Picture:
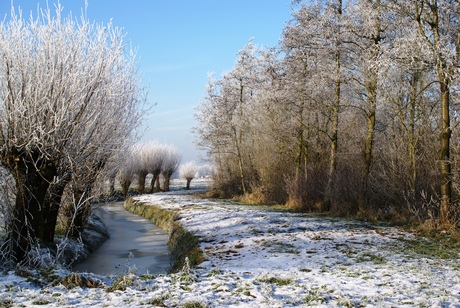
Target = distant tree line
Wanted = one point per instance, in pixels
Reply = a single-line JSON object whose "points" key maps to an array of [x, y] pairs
{"points": [[161, 161], [354, 112]]}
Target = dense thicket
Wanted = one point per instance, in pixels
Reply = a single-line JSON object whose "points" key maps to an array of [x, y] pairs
{"points": [[353, 112]]}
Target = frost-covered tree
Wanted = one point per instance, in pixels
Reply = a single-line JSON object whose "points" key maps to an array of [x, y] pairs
{"points": [[315, 57], [140, 165], [69, 96], [155, 154], [171, 162], [224, 119], [368, 28], [188, 172], [127, 171], [437, 24], [343, 111]]}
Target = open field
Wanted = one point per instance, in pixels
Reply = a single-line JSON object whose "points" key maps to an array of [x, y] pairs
{"points": [[256, 257]]}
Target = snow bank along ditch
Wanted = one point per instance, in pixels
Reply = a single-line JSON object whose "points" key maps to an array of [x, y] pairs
{"points": [[182, 243]]}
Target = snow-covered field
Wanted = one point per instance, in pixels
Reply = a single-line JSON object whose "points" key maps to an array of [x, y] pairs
{"points": [[261, 258]]}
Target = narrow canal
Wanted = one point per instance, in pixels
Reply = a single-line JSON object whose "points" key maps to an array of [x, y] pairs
{"points": [[135, 243]]}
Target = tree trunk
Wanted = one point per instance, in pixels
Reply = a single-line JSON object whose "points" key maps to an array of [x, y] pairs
{"points": [[155, 176], [141, 183], [334, 131], [157, 184], [433, 38], [189, 180], [239, 156], [300, 165], [111, 186], [412, 139], [166, 181], [371, 90], [125, 187], [445, 167], [335, 107], [33, 176], [50, 211], [367, 156]]}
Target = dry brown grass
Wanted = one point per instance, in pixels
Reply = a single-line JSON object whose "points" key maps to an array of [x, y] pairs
{"points": [[78, 280]]}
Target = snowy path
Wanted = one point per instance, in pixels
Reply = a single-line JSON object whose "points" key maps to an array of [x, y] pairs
{"points": [[270, 259], [259, 258]]}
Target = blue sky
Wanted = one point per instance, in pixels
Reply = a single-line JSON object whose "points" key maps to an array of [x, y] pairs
{"points": [[178, 43]]}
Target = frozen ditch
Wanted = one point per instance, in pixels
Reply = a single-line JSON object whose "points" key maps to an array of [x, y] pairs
{"points": [[135, 245]]}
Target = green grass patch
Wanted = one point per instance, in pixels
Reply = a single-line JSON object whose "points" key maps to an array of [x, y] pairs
{"points": [[315, 297], [370, 257], [193, 304], [443, 249], [280, 247], [435, 243], [184, 244], [276, 281], [157, 301], [160, 217]]}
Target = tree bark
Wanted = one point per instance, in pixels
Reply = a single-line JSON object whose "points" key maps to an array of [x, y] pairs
{"points": [[111, 186], [368, 142], [50, 210], [141, 182], [189, 180], [125, 187], [155, 176], [300, 165], [335, 122], [445, 164], [371, 77], [166, 181], [33, 175], [412, 139], [157, 184], [239, 156]]}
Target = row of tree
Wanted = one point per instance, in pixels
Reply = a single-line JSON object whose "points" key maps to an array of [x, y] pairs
{"points": [[154, 161], [148, 158], [353, 111], [70, 102]]}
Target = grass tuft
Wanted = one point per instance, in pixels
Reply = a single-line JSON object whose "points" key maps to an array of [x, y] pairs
{"points": [[436, 244], [370, 257], [6, 302], [276, 281], [77, 280], [193, 304], [121, 283], [41, 302]]}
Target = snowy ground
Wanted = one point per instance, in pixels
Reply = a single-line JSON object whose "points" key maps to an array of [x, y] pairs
{"points": [[260, 258]]}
